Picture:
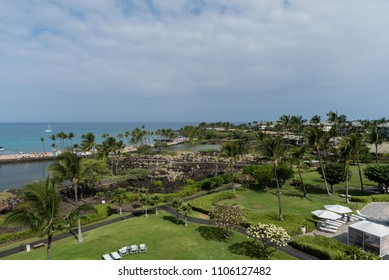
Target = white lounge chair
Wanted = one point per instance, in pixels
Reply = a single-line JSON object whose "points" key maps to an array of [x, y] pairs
{"points": [[142, 248], [123, 251], [115, 256], [134, 249], [327, 229], [107, 257], [329, 223]]}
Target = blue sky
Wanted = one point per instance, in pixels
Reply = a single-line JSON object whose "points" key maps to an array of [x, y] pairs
{"points": [[198, 60]]}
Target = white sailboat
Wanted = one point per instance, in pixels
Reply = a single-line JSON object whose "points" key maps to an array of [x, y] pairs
{"points": [[48, 128]]}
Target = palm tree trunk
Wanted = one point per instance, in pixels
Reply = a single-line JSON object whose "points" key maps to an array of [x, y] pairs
{"points": [[376, 153], [49, 241], [301, 179], [79, 235], [278, 193], [360, 173], [347, 200], [322, 171]]}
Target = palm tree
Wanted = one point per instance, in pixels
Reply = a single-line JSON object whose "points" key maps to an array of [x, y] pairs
{"points": [[298, 155], [72, 168], [70, 136], [120, 197], [356, 146], [232, 150], [186, 210], [272, 148], [156, 200], [88, 142], [41, 211], [375, 137], [43, 144], [345, 149], [318, 138]]}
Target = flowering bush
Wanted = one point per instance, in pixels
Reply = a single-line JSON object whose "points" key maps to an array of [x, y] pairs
{"points": [[226, 216], [269, 235]]}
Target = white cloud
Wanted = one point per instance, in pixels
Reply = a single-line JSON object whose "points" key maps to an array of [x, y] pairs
{"points": [[219, 53]]}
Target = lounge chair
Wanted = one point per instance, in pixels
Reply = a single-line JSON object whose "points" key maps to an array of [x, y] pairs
{"points": [[362, 215], [115, 256], [332, 224], [123, 251], [107, 257], [327, 229], [358, 217], [142, 248], [134, 249]]}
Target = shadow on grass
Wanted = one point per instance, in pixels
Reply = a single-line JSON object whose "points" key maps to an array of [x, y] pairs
{"points": [[248, 249], [212, 233], [173, 220]]}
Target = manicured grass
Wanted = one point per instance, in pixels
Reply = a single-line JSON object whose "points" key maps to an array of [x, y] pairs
{"points": [[165, 239], [261, 205]]}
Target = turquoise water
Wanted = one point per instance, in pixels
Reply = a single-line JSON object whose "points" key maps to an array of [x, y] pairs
{"points": [[26, 138]]}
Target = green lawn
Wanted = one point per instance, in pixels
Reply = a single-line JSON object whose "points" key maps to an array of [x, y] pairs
{"points": [[261, 205], [165, 240]]}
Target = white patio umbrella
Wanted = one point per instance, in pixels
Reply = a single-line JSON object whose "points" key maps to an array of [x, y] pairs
{"points": [[325, 214], [338, 208]]}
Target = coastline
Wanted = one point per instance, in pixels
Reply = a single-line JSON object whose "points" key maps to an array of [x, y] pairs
{"points": [[31, 157]]}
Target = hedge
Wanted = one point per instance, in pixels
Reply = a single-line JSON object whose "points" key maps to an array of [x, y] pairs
{"points": [[326, 248], [363, 199], [380, 197]]}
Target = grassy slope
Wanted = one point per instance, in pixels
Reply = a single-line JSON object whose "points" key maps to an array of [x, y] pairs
{"points": [[164, 238]]}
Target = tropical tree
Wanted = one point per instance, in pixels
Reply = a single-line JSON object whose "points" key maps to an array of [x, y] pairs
{"points": [[317, 138], [378, 174], [144, 199], [375, 137], [71, 167], [120, 197], [233, 150], [226, 217], [298, 156], [177, 204], [356, 146], [334, 173], [269, 236], [88, 142], [346, 149], [273, 149], [156, 200], [43, 144], [41, 211], [186, 210], [70, 136]]}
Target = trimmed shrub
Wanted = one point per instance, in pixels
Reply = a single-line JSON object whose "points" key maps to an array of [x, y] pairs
{"points": [[363, 199], [380, 197], [9, 237], [326, 248]]}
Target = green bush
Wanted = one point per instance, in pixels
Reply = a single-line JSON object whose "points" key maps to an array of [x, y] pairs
{"points": [[326, 248], [380, 197], [157, 184], [9, 237], [363, 199], [103, 211]]}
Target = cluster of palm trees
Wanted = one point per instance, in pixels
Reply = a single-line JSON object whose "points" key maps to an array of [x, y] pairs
{"points": [[341, 144], [43, 207]]}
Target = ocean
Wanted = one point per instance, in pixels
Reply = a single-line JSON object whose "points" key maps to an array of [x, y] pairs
{"points": [[26, 138]]}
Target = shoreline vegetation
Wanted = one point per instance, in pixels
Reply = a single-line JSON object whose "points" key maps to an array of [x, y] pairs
{"points": [[266, 173], [34, 156]]}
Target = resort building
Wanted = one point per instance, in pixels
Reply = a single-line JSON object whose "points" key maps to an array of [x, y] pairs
{"points": [[370, 237]]}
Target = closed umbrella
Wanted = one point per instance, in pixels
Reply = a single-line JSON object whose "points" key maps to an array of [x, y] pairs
{"points": [[338, 208], [325, 214]]}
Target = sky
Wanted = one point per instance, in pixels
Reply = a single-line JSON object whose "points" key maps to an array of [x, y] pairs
{"points": [[192, 60]]}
